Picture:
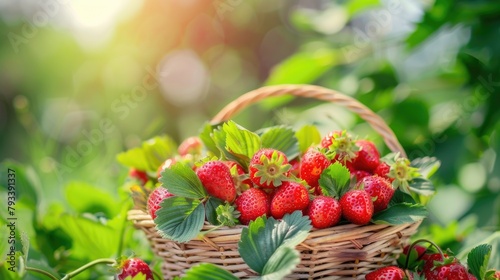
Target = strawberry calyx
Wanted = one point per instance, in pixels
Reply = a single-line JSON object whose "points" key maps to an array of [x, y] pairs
{"points": [[273, 170], [402, 173], [227, 215], [344, 146]]}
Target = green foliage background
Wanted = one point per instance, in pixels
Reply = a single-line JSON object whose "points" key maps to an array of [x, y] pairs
{"points": [[429, 68]]}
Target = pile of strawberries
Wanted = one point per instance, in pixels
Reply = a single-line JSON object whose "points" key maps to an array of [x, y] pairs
{"points": [[430, 263], [273, 185]]}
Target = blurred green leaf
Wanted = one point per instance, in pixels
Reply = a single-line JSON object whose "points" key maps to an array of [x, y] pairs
{"points": [[427, 166], [357, 6], [150, 155], [208, 140], [27, 185], [307, 136], [92, 239], [86, 198], [300, 68]]}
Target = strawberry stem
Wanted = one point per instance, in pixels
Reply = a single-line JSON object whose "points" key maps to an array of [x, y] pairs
{"points": [[419, 241], [41, 271], [87, 266]]}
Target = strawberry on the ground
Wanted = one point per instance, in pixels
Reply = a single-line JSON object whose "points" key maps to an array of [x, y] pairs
{"points": [[324, 212], [357, 207], [155, 198], [379, 188], [313, 163], [289, 197], [269, 168], [190, 146], [252, 204], [216, 177], [386, 273], [139, 175], [368, 156], [132, 267]]}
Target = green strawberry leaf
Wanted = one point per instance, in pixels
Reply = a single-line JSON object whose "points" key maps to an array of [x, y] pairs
{"points": [[236, 143], [401, 197], [427, 166], [180, 219], [489, 275], [307, 136], [281, 264], [478, 259], [401, 213], [210, 209], [208, 271], [150, 155], [206, 136], [422, 186], [181, 180], [334, 180], [282, 139], [263, 237]]}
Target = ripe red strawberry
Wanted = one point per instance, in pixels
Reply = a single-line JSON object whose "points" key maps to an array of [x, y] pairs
{"points": [[452, 271], [269, 168], [313, 163], [359, 174], [383, 170], [497, 274], [190, 146], [327, 141], [289, 197], [155, 198], [139, 175], [216, 177], [324, 211], [252, 204], [368, 156], [357, 207], [386, 273], [379, 189], [295, 169], [435, 267], [132, 267]]}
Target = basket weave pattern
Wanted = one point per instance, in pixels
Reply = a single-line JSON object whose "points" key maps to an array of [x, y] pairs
{"points": [[340, 252]]}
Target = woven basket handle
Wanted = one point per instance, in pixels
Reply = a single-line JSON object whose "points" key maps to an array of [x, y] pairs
{"points": [[317, 92]]}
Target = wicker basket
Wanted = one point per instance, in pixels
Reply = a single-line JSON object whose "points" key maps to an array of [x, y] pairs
{"points": [[340, 252]]}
